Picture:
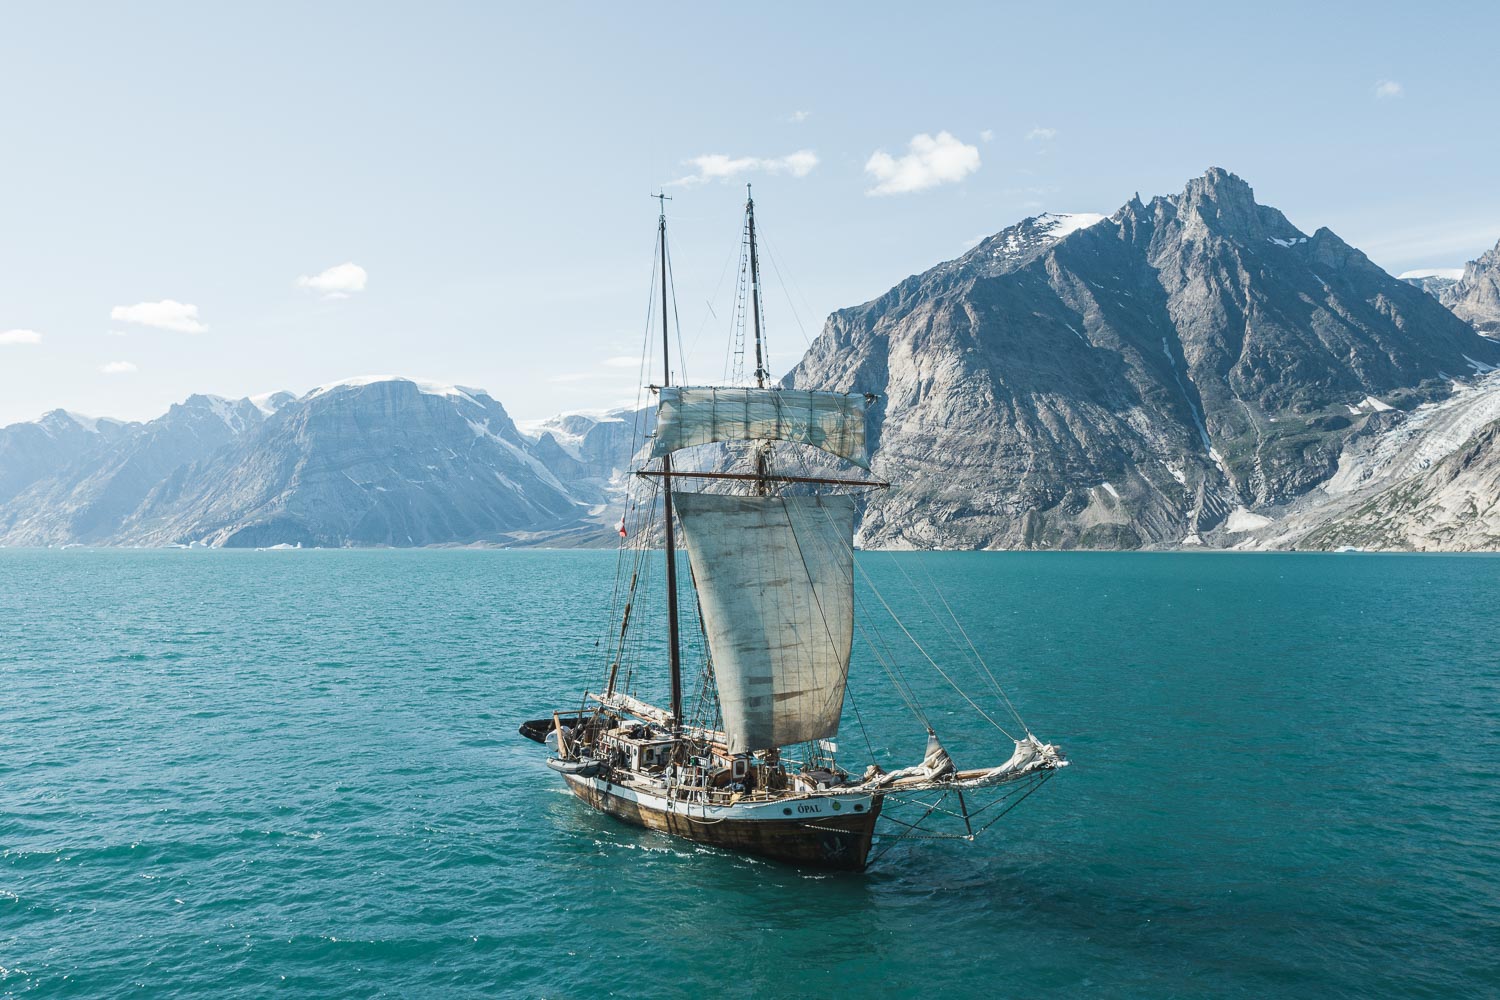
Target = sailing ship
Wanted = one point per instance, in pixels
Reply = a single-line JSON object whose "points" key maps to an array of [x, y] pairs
{"points": [[752, 764]]}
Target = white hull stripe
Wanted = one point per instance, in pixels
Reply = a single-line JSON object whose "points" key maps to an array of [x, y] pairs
{"points": [[780, 810]]}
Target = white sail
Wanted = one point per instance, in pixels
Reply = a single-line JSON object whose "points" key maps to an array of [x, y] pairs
{"points": [[694, 415], [775, 578]]}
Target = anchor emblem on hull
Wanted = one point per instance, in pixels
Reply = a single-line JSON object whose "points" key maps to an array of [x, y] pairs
{"points": [[835, 847]]}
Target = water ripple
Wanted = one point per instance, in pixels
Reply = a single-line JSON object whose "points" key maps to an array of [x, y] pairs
{"points": [[223, 774]]}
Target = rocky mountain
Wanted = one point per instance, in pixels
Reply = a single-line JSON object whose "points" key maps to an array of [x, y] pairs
{"points": [[1181, 368], [1476, 296], [380, 461], [1451, 506], [1393, 457], [86, 500], [592, 452], [1433, 281], [31, 452]]}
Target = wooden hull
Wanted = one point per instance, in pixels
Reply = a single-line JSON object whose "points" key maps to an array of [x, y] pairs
{"points": [[816, 831]]}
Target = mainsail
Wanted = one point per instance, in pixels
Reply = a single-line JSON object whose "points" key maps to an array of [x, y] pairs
{"points": [[775, 578], [694, 415]]}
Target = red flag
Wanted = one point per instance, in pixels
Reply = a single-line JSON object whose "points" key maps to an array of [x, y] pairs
{"points": [[621, 526]]}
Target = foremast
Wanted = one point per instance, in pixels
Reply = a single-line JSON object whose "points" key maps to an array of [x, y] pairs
{"points": [[674, 645]]}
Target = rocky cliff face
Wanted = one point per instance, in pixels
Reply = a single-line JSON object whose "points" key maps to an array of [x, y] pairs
{"points": [[1476, 296], [1451, 506], [1131, 382], [366, 462], [593, 452]]}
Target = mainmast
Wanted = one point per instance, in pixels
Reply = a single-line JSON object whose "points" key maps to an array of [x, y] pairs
{"points": [[760, 355], [674, 656], [761, 464]]}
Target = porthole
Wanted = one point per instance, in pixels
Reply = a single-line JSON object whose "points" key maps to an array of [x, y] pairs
{"points": [[859, 808], [837, 806], [787, 810]]}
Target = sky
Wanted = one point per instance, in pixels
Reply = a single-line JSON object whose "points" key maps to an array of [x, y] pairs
{"points": [[236, 199]]}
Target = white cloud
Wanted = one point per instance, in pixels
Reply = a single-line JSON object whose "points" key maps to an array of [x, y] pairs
{"points": [[167, 314], [718, 167], [798, 117], [118, 368], [622, 361], [1389, 88], [988, 135], [1044, 134], [929, 161], [12, 338], [338, 282]]}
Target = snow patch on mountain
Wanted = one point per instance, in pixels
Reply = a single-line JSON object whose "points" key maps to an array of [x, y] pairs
{"points": [[426, 386], [1060, 224], [269, 402], [1242, 520], [1451, 273], [1420, 438], [90, 424], [227, 411]]}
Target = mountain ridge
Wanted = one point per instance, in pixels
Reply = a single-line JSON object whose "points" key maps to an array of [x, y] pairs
{"points": [[1193, 369], [371, 461]]}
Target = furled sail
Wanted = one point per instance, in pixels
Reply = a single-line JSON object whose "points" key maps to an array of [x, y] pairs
{"points": [[775, 578], [694, 415]]}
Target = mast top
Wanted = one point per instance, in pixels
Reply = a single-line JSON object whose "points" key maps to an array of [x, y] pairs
{"points": [[662, 198]]}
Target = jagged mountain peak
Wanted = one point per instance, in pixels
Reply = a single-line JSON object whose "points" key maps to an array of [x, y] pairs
{"points": [[1475, 296], [238, 415], [1221, 186], [69, 421], [1224, 204]]}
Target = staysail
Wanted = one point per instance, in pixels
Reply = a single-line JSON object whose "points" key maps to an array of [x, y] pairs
{"points": [[694, 415], [775, 578]]}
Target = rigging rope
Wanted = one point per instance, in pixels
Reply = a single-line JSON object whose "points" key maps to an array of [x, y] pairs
{"points": [[993, 680], [921, 649], [671, 281], [785, 291], [922, 594]]}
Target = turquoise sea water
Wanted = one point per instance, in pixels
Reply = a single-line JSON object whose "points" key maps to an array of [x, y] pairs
{"points": [[241, 774]]}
